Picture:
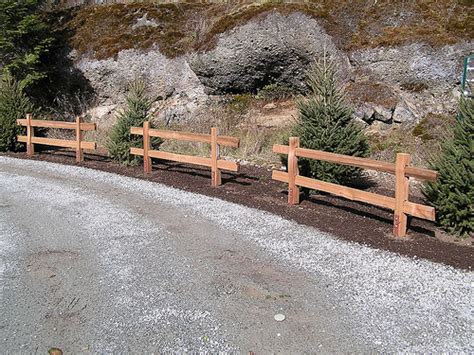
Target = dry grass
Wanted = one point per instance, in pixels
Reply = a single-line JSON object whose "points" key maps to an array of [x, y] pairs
{"points": [[247, 11], [187, 26], [235, 117], [389, 23], [414, 86], [422, 141], [373, 92], [105, 30]]}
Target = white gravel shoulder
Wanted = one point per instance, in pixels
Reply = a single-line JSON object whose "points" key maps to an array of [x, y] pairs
{"points": [[394, 302]]}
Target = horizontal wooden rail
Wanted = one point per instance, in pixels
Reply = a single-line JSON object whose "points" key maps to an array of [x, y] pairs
{"points": [[417, 173], [57, 142], [57, 124], [187, 159], [213, 139], [401, 169], [77, 144], [187, 136], [421, 174], [414, 209]]}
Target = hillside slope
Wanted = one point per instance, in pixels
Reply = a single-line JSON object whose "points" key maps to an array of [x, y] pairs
{"points": [[400, 61]]}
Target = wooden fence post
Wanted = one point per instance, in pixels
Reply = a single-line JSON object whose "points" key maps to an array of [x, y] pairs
{"points": [[216, 178], [79, 153], [293, 190], [146, 147], [30, 148], [401, 194]]}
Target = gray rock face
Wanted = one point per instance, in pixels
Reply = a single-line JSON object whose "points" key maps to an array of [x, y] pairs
{"points": [[169, 79], [275, 49], [415, 62], [433, 74], [166, 77], [278, 48]]}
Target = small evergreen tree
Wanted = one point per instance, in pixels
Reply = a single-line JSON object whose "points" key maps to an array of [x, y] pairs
{"points": [[14, 104], [453, 193], [135, 113], [25, 41], [325, 124]]}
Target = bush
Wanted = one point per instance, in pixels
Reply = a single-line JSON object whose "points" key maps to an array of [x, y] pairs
{"points": [[136, 112], [325, 124], [274, 92], [14, 104], [453, 193]]}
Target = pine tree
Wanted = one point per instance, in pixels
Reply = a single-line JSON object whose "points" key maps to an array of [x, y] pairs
{"points": [[452, 194], [135, 113], [25, 41], [325, 124], [14, 104]]}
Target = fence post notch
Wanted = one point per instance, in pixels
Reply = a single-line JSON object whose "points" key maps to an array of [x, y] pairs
{"points": [[146, 147], [401, 194], [30, 148], [216, 178], [293, 189]]}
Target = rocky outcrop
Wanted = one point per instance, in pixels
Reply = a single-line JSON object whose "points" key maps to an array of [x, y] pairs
{"points": [[165, 77], [413, 63], [420, 79], [177, 89], [272, 49], [398, 85]]}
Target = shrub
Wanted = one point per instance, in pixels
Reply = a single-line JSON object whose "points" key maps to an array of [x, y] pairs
{"points": [[240, 103], [325, 124], [453, 193], [274, 92], [14, 104], [136, 112]]}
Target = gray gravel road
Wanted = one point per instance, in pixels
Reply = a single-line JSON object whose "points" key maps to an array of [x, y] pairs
{"points": [[95, 262]]}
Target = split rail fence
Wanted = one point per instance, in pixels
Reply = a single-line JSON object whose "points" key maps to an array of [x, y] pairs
{"points": [[78, 144], [214, 162], [401, 169]]}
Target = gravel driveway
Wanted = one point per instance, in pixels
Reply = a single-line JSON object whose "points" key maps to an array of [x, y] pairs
{"points": [[96, 262]]}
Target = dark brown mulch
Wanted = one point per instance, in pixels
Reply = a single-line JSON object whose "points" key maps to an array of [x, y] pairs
{"points": [[253, 187]]}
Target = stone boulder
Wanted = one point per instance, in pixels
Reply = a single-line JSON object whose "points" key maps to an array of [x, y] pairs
{"points": [[110, 77], [382, 114], [364, 113], [169, 80], [402, 114], [274, 49]]}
